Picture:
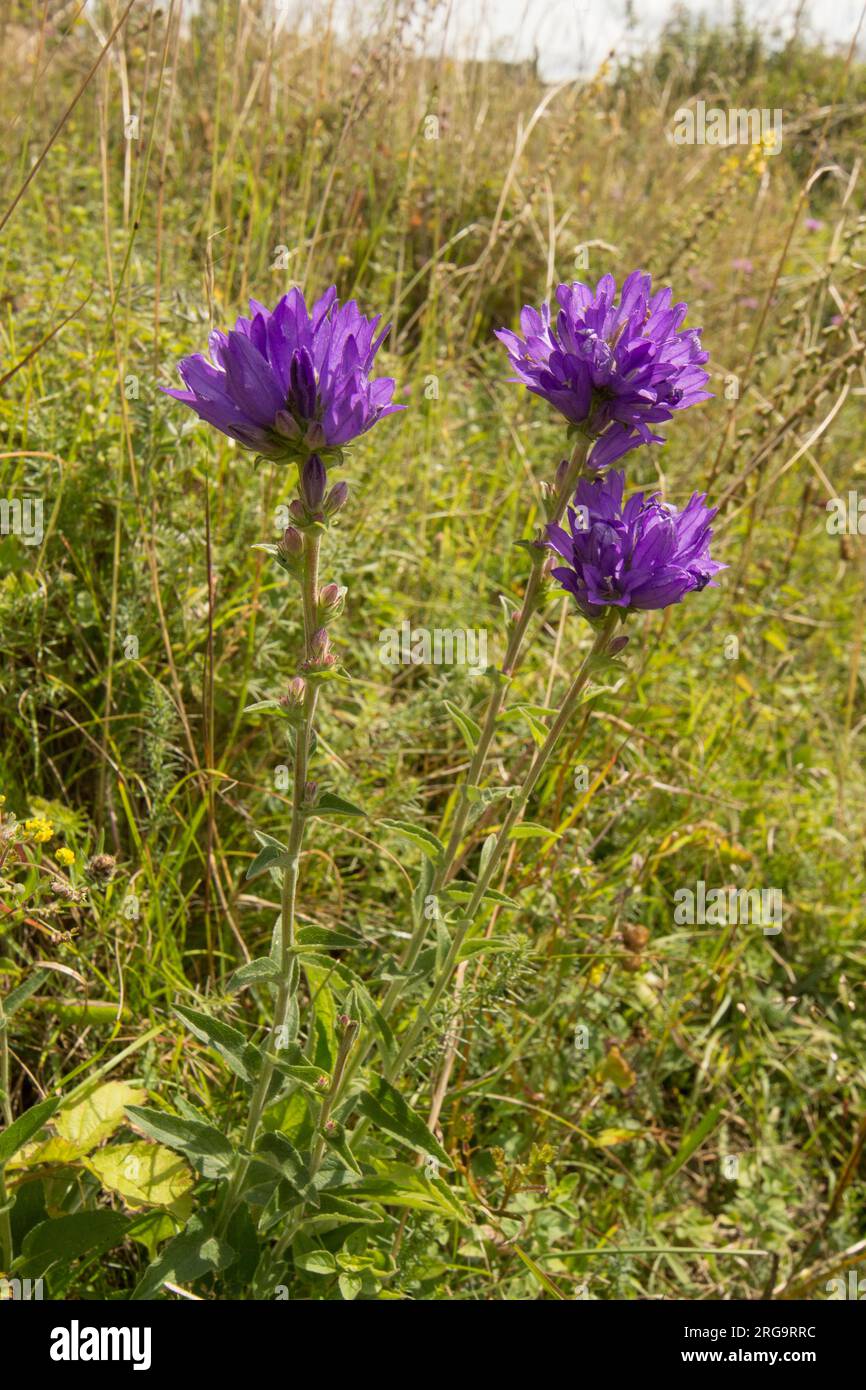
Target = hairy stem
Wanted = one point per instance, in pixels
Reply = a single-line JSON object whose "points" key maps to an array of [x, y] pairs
{"points": [[541, 758], [513, 655], [6, 1250], [286, 938]]}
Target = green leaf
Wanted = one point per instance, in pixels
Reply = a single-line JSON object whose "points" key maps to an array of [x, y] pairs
{"points": [[692, 1141], [331, 804], [530, 830], [92, 1119], [17, 1134], [272, 854], [316, 1262], [426, 841], [243, 1059], [388, 1110], [255, 972], [202, 1144], [487, 850], [538, 730], [143, 1174], [66, 1238], [187, 1257], [469, 729], [21, 994], [461, 892], [323, 936], [479, 946]]}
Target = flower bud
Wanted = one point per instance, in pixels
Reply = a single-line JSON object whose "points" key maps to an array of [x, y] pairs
{"points": [[336, 498], [311, 794], [332, 599], [293, 700], [314, 480], [561, 474], [616, 646], [290, 548], [321, 657]]}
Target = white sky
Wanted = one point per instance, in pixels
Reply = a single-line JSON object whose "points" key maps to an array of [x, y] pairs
{"points": [[574, 36]]}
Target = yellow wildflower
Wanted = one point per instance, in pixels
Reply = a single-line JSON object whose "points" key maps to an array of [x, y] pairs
{"points": [[65, 856], [39, 830]]}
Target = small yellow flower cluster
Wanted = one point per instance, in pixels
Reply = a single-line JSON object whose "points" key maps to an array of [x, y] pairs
{"points": [[39, 830], [65, 856]]}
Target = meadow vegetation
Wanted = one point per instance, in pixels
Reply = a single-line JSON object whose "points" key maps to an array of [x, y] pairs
{"points": [[634, 1107]]}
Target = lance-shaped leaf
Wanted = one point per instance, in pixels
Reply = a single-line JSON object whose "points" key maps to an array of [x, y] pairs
{"points": [[329, 804], [243, 1059], [208, 1150], [256, 972], [17, 1134], [468, 728], [387, 1109], [272, 855], [426, 841]]}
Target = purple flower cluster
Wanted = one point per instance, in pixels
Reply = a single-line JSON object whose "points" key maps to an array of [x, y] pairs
{"points": [[292, 382], [623, 366], [641, 554], [615, 368]]}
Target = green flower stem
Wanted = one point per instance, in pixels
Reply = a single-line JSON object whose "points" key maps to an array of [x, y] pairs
{"points": [[286, 940], [516, 810], [6, 1250], [513, 656]]}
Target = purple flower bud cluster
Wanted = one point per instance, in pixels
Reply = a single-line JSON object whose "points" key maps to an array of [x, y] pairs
{"points": [[615, 368]]}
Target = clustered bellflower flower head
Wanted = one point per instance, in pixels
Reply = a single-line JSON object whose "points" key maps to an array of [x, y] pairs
{"points": [[292, 383], [638, 555], [613, 368]]}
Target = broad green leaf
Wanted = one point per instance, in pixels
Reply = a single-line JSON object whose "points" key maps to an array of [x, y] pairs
{"points": [[143, 1174], [66, 1238], [316, 1262], [403, 1185], [272, 854], [17, 1134], [243, 1059], [90, 1120], [538, 730], [385, 1106], [322, 936], [426, 841], [193, 1253], [202, 1144], [255, 972]]}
